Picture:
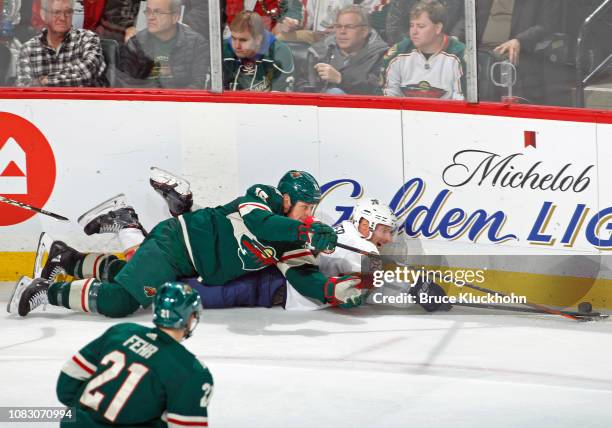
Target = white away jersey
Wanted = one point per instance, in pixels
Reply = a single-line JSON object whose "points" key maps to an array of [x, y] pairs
{"points": [[340, 262]]}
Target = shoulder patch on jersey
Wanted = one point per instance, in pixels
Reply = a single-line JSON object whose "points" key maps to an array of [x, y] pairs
{"points": [[261, 194], [254, 255]]}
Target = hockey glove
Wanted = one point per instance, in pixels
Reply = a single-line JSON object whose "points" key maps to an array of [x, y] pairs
{"points": [[343, 291], [319, 235]]}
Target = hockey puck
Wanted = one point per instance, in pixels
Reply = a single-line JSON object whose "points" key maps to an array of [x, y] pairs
{"points": [[585, 307]]}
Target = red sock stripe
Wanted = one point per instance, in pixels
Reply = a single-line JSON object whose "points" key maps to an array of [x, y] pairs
{"points": [[84, 294], [95, 266]]}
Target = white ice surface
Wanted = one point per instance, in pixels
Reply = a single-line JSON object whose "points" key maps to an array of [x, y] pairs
{"points": [[370, 367]]}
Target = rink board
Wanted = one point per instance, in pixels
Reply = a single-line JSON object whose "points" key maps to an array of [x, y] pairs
{"points": [[441, 171]]}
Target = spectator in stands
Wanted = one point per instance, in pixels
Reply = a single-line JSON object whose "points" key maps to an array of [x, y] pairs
{"points": [[512, 29], [166, 54], [272, 12], [398, 17], [429, 63], [348, 61], [253, 60], [317, 18], [116, 20], [61, 55], [196, 16]]}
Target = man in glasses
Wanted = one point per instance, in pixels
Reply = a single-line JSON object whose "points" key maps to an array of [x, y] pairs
{"points": [[347, 61], [61, 55], [167, 54]]}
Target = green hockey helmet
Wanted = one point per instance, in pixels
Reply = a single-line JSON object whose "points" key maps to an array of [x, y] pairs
{"points": [[300, 186], [173, 305]]}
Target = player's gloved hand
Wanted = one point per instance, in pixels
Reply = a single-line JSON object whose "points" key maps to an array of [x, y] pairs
{"points": [[343, 291], [321, 236]]}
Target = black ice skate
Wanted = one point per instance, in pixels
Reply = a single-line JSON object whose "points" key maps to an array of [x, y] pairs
{"points": [[27, 295], [57, 260], [175, 190], [110, 216]]}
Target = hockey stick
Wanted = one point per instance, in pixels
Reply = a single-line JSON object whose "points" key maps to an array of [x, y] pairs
{"points": [[582, 315], [358, 251], [31, 208], [537, 306]]}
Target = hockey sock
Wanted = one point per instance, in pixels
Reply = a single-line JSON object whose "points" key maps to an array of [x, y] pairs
{"points": [[93, 265], [91, 295], [81, 295]]}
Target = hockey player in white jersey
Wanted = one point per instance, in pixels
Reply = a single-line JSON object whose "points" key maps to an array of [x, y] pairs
{"points": [[371, 227]]}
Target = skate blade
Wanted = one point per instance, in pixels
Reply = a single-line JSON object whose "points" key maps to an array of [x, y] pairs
{"points": [[162, 176], [42, 253], [20, 286], [111, 204]]}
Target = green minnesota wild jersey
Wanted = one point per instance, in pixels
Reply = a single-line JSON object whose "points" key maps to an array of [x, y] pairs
{"points": [[248, 234], [135, 376]]}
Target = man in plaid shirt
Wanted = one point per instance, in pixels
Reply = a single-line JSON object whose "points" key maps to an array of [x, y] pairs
{"points": [[61, 55]]}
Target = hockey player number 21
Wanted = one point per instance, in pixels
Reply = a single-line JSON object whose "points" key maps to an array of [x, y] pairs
{"points": [[92, 398]]}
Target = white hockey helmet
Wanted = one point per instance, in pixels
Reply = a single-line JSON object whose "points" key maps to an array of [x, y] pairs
{"points": [[375, 213]]}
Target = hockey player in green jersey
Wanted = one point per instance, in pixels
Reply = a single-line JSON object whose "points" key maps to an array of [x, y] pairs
{"points": [[265, 227], [134, 375]]}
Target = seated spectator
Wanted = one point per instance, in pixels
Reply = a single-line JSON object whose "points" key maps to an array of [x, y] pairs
{"points": [[398, 17], [512, 29], [116, 20], [317, 18], [166, 54], [61, 55], [271, 11], [349, 60], [253, 60], [429, 63]]}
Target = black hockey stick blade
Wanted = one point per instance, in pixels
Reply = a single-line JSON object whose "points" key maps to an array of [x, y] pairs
{"points": [[31, 208], [587, 316]]}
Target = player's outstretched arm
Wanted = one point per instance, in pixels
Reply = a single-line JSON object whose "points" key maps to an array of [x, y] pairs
{"points": [[299, 269]]}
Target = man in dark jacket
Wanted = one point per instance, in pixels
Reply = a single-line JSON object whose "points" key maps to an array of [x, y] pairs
{"points": [[349, 60], [512, 29], [166, 54]]}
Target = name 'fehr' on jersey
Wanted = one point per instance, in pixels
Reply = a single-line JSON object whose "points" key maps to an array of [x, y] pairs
{"points": [[140, 346], [340, 262]]}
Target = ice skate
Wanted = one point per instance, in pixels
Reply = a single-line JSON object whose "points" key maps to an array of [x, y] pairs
{"points": [[58, 254], [27, 295], [110, 216], [175, 190], [18, 289]]}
